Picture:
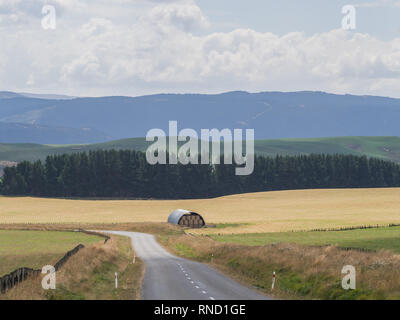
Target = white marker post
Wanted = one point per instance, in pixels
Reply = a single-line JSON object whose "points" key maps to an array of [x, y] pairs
{"points": [[273, 280], [134, 259], [116, 280]]}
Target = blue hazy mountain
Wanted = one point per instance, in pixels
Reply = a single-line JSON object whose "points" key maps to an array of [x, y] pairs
{"points": [[33, 133], [8, 94], [272, 114]]}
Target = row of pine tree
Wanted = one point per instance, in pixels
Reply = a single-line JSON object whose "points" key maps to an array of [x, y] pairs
{"points": [[126, 174]]}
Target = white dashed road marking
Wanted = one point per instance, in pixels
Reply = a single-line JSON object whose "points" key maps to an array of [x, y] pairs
{"points": [[192, 282]]}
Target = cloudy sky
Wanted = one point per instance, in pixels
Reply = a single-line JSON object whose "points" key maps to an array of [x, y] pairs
{"points": [[135, 47]]}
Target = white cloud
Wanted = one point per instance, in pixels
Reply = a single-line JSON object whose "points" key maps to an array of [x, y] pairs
{"points": [[185, 16], [165, 47]]}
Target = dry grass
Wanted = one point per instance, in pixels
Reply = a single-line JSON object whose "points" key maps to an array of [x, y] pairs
{"points": [[302, 271], [262, 212], [89, 275], [144, 227], [371, 239]]}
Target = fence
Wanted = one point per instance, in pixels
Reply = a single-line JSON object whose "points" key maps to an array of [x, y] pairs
{"points": [[68, 255], [94, 233], [9, 281], [12, 279]]}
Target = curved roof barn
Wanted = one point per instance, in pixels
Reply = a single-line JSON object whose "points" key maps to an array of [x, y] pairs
{"points": [[186, 218]]}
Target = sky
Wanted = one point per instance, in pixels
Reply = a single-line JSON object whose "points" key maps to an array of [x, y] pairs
{"points": [[138, 47]]}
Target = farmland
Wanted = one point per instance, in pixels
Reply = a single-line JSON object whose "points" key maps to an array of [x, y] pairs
{"points": [[277, 211], [303, 272], [387, 148], [87, 275], [35, 249], [371, 239], [253, 232]]}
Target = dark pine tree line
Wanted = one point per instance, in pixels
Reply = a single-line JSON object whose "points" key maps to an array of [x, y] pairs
{"points": [[126, 174]]}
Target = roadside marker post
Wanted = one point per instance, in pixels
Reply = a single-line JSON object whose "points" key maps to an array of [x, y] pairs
{"points": [[134, 259], [116, 280], [273, 280]]}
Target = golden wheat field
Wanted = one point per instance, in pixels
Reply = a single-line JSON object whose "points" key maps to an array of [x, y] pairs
{"points": [[258, 212]]}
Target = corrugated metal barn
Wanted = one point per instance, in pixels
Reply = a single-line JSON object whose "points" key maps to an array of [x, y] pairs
{"points": [[186, 218]]}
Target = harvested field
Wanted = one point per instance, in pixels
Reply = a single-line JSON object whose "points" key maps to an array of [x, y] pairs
{"points": [[276, 211]]}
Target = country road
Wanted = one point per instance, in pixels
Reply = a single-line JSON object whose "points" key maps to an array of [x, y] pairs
{"points": [[168, 277]]}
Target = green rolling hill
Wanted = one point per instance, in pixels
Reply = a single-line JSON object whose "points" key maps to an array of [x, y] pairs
{"points": [[387, 148]]}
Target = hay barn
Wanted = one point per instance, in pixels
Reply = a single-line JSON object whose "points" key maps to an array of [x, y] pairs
{"points": [[186, 218]]}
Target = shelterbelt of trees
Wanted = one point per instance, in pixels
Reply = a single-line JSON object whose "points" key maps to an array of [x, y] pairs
{"points": [[126, 174]]}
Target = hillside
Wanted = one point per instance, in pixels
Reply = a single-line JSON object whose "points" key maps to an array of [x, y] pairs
{"points": [[273, 115], [31, 133], [8, 95], [387, 148]]}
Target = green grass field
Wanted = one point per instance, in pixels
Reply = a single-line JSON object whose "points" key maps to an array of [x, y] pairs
{"points": [[31, 152], [35, 249], [381, 147], [371, 239]]}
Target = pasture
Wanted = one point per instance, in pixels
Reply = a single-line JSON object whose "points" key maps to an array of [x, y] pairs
{"points": [[35, 249], [387, 148], [371, 239], [277, 211]]}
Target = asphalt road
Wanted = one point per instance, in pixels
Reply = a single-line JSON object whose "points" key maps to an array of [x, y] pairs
{"points": [[168, 277]]}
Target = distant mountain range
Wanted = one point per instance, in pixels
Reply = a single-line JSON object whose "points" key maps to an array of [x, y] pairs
{"points": [[32, 133], [8, 95], [273, 115], [387, 148]]}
